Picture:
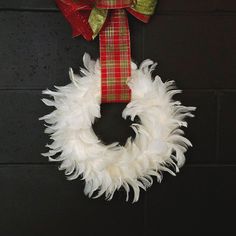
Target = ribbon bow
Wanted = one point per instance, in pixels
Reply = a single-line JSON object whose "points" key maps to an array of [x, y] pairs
{"points": [[108, 19]]}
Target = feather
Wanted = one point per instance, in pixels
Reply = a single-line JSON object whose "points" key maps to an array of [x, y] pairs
{"points": [[159, 144]]}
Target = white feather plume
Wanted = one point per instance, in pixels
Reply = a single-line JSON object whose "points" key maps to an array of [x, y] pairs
{"points": [[158, 145]]}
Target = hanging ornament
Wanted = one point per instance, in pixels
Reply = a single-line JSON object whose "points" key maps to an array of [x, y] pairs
{"points": [[159, 144]]}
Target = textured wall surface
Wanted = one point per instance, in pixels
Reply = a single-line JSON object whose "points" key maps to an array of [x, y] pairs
{"points": [[194, 43]]}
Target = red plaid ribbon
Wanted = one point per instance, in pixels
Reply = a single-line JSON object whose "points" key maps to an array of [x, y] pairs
{"points": [[115, 56], [113, 4]]}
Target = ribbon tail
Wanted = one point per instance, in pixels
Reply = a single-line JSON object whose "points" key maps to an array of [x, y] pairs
{"points": [[77, 15], [138, 15], [96, 20], [143, 9], [146, 7]]}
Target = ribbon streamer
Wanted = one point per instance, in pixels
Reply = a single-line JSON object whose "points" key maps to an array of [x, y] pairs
{"points": [[108, 19]]}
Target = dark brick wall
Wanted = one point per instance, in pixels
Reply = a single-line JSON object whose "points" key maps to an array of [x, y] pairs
{"points": [[194, 43]]}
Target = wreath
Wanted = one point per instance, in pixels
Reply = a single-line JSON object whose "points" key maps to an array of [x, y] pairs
{"points": [[159, 144]]}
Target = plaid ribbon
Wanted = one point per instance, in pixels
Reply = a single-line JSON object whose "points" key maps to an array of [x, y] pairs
{"points": [[108, 17], [115, 58], [113, 4]]}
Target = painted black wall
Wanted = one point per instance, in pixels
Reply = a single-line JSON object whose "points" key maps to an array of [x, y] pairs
{"points": [[195, 44]]}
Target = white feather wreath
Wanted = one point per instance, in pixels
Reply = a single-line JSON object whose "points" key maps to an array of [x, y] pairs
{"points": [[158, 145]]}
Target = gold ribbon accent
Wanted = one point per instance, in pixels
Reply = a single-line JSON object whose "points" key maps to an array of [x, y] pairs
{"points": [[97, 19], [146, 7], [98, 16]]}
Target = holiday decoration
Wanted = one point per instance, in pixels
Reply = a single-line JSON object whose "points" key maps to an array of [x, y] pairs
{"points": [[159, 144], [108, 17]]}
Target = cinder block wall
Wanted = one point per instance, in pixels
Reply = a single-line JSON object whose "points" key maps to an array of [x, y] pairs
{"points": [[194, 43]]}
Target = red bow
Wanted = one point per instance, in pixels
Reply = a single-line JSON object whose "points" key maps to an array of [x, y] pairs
{"points": [[114, 39], [77, 13]]}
